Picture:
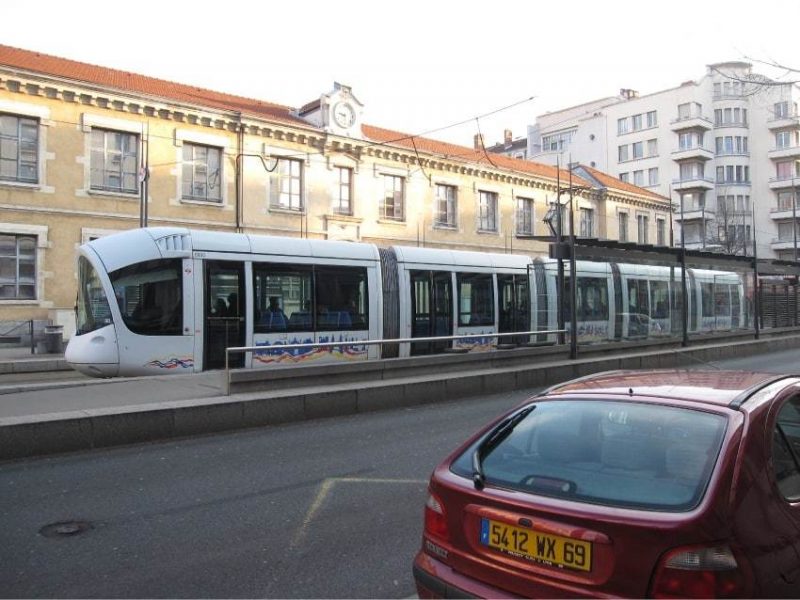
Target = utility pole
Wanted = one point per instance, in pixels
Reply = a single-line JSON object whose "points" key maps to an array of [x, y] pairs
{"points": [[684, 291], [573, 275]]}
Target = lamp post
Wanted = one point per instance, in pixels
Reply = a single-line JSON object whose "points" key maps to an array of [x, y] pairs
{"points": [[794, 217]]}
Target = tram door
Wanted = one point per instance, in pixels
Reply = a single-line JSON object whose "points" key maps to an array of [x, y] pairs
{"points": [[514, 309], [224, 313], [432, 310]]}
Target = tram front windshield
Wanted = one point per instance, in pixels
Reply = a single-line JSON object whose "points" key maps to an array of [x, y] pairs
{"points": [[92, 311]]}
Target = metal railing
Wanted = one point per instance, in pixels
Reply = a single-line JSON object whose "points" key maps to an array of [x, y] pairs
{"points": [[313, 345], [18, 326]]}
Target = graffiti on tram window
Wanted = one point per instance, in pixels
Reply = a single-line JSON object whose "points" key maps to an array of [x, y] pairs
{"points": [[479, 343], [172, 363], [275, 353], [592, 332]]}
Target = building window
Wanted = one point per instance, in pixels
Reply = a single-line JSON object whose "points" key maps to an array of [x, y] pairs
{"points": [[689, 140], [637, 122], [623, 227], [638, 178], [661, 232], [691, 170], [524, 216], [114, 161], [202, 174], [286, 185], [393, 197], [487, 211], [784, 109], [19, 149], [622, 126], [652, 176], [637, 149], [343, 203], [652, 147], [652, 119], [445, 205], [587, 222], [642, 223], [624, 177], [622, 153], [730, 116], [785, 200], [787, 139], [17, 267], [787, 169], [557, 142]]}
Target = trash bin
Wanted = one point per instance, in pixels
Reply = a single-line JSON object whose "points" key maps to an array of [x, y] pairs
{"points": [[54, 339]]}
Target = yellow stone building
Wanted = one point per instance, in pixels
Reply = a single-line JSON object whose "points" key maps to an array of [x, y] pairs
{"points": [[86, 151]]}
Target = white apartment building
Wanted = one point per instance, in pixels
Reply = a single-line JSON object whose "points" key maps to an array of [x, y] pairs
{"points": [[725, 149]]}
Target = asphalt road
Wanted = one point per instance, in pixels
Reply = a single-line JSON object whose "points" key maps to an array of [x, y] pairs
{"points": [[329, 508]]}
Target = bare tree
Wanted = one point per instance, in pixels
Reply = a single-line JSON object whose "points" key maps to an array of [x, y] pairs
{"points": [[755, 83], [729, 233]]}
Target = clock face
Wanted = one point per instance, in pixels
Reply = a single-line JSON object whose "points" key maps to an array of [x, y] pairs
{"points": [[344, 114]]}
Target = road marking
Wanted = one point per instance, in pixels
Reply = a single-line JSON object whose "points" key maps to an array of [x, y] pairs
{"points": [[324, 490]]}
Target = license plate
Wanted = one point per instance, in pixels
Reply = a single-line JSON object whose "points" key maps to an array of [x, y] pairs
{"points": [[533, 545]]}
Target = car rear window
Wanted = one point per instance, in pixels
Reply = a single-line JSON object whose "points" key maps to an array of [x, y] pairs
{"points": [[621, 454]]}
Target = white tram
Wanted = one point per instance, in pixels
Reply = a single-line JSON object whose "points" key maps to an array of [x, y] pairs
{"points": [[170, 300]]}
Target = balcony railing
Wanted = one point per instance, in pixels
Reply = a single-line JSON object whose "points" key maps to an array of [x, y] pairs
{"points": [[741, 123], [698, 181], [788, 120], [692, 121], [784, 152]]}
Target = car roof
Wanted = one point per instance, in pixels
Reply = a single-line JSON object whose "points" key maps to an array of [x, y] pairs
{"points": [[721, 388]]}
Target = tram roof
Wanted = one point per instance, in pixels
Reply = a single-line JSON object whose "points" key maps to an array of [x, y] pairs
{"points": [[459, 258], [138, 245]]}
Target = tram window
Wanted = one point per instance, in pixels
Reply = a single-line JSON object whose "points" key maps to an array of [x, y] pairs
{"points": [[341, 294], [592, 295], [722, 300], [707, 298], [475, 299], [92, 307], [150, 296], [283, 298], [296, 298], [638, 300], [659, 292]]}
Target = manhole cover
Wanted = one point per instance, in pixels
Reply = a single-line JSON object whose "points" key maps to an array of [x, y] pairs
{"points": [[65, 529]]}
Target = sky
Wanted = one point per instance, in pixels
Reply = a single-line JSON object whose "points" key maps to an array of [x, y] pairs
{"points": [[439, 68]]}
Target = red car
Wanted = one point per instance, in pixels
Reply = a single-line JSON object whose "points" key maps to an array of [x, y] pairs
{"points": [[664, 484]]}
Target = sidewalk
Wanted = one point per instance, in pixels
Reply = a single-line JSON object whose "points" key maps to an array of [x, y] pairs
{"points": [[17, 359], [46, 418]]}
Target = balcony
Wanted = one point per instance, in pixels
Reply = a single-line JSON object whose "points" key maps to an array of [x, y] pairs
{"points": [[788, 152], [695, 152], [783, 211], [784, 183], [790, 121], [691, 122], [692, 211], [698, 182], [784, 243]]}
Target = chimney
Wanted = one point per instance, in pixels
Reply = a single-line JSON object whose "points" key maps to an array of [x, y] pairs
{"points": [[507, 136], [477, 141]]}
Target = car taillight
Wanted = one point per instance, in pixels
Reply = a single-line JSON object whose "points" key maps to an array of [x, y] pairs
{"points": [[698, 572], [435, 518]]}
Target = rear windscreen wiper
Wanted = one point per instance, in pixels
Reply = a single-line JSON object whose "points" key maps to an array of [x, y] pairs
{"points": [[491, 441]]}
